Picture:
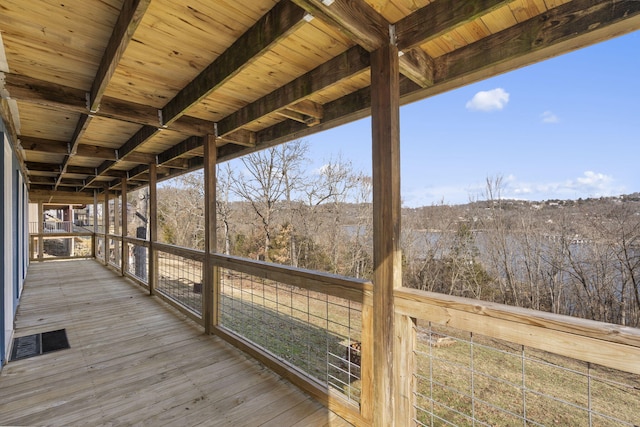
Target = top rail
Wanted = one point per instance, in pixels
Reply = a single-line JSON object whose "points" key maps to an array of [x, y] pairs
{"points": [[332, 284], [604, 344]]}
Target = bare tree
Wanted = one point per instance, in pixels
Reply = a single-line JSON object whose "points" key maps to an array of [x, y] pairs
{"points": [[223, 205], [267, 176]]}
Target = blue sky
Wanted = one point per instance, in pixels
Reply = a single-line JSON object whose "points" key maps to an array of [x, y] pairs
{"points": [[565, 128]]}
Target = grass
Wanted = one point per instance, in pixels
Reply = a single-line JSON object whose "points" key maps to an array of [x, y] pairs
{"points": [[501, 384]]}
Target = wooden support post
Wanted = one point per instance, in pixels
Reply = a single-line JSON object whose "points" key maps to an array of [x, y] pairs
{"points": [[116, 230], [40, 231], [153, 227], [124, 247], [211, 280], [392, 385], [105, 224], [94, 248]]}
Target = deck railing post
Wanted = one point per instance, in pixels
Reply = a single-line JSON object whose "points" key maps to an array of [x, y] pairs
{"points": [[124, 247], [105, 224], [94, 240], [392, 334], [210, 293], [40, 231], [153, 228]]}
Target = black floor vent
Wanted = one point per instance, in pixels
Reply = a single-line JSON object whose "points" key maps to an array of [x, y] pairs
{"points": [[36, 344]]}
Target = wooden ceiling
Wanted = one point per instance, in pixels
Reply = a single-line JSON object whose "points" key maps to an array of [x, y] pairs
{"points": [[96, 90]]}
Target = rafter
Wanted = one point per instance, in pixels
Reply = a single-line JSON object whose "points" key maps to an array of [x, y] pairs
{"points": [[439, 17], [355, 18], [280, 21], [366, 27], [539, 38], [81, 127], [130, 16], [345, 65]]}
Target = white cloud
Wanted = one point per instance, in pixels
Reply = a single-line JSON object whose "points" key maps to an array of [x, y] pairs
{"points": [[549, 117], [491, 100], [589, 184]]}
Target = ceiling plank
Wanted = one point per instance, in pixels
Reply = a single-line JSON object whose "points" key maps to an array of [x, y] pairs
{"points": [[439, 17], [280, 21], [51, 95], [345, 65], [130, 16]]}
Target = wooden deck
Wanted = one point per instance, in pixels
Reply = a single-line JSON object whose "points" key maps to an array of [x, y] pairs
{"points": [[134, 360]]}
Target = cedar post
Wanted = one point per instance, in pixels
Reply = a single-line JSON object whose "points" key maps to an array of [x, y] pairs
{"points": [[124, 246], [153, 228], [40, 231], [210, 294], [95, 224], [392, 334], [105, 224]]}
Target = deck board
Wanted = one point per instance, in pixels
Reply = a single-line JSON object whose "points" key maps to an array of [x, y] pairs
{"points": [[135, 360]]}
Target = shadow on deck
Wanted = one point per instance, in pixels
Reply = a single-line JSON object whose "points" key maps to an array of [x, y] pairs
{"points": [[135, 360]]}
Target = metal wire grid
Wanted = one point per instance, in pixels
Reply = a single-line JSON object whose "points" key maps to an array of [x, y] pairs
{"points": [[100, 248], [114, 252], [467, 379], [82, 246], [180, 278], [138, 264], [309, 330]]}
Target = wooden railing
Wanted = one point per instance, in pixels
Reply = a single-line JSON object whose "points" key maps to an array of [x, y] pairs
{"points": [[512, 366], [486, 350], [61, 245]]}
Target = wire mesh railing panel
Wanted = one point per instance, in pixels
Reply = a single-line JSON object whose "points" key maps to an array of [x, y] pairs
{"points": [[138, 265], [180, 279], [114, 252], [312, 331], [100, 248], [465, 379]]}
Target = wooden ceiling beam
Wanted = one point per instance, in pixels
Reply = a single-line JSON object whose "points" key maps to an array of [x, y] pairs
{"points": [[51, 95], [366, 27], [550, 34], [40, 145], [308, 108], [440, 17], [345, 65], [418, 66], [355, 18], [240, 137], [144, 134], [180, 149], [276, 24], [47, 195], [126, 150], [130, 16], [350, 107], [81, 127]]}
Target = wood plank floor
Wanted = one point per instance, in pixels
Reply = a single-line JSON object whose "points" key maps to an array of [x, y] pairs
{"points": [[134, 360]]}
